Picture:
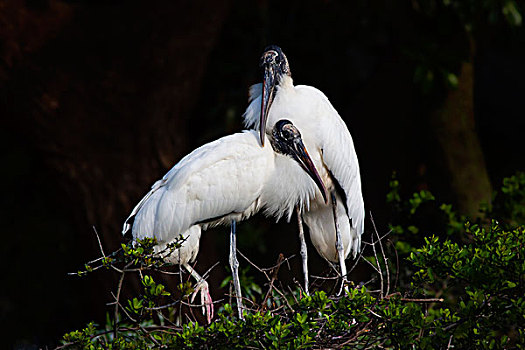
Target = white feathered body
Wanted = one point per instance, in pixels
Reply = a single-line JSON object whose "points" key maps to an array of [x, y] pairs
{"points": [[230, 178], [331, 148]]}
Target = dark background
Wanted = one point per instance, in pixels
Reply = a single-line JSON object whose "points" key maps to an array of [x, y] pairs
{"points": [[100, 99]]}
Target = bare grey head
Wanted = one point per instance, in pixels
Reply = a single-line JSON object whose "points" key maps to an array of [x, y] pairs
{"points": [[274, 58], [275, 66]]}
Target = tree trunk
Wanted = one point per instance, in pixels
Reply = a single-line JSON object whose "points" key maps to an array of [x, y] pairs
{"points": [[455, 130]]}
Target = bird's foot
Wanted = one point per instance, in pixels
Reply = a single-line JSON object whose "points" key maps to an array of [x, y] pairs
{"points": [[206, 301], [344, 287]]}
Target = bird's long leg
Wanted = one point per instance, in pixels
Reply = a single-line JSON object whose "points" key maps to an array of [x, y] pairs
{"points": [[234, 265], [304, 252], [339, 245], [204, 289]]}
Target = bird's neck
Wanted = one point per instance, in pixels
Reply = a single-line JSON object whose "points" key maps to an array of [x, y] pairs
{"points": [[286, 82]]}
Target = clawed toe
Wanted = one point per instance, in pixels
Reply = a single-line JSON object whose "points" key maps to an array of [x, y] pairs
{"points": [[206, 300]]}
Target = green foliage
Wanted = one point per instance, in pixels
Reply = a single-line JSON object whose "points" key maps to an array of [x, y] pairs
{"points": [[464, 288], [509, 204], [411, 217], [484, 279], [82, 338]]}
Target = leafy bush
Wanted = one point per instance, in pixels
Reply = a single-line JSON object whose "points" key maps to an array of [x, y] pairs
{"points": [[461, 286]]}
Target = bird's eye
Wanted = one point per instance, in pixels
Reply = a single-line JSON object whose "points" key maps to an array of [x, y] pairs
{"points": [[286, 133]]}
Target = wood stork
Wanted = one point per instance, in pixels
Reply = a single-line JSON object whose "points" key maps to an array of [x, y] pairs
{"points": [[225, 181], [336, 228]]}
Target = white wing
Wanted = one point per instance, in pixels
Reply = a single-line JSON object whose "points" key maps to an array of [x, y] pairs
{"points": [[339, 156], [220, 178], [321, 126], [251, 117]]}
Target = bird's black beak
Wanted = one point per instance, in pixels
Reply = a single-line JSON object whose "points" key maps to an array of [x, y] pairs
{"points": [[268, 94], [270, 80], [303, 158]]}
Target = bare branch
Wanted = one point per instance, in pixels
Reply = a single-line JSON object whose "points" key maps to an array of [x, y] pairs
{"points": [[379, 270], [123, 309], [253, 264], [415, 300], [163, 306], [205, 275], [117, 299], [397, 263], [274, 277], [356, 261], [385, 259], [99, 242], [373, 266]]}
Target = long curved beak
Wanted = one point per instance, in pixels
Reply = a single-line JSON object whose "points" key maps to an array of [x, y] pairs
{"points": [[268, 94], [303, 158]]}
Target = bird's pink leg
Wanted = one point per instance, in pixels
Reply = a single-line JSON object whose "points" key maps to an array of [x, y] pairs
{"points": [[339, 247], [304, 251], [202, 288]]}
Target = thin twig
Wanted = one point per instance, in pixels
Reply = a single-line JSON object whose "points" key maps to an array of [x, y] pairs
{"points": [[274, 277], [253, 264], [365, 329], [285, 260], [379, 270], [205, 275], [385, 259], [284, 297], [373, 266], [163, 306], [380, 238], [167, 272], [117, 299], [425, 300], [99, 242], [292, 294], [415, 300], [149, 335], [123, 309], [326, 277], [231, 294], [373, 313], [397, 263], [94, 261], [356, 261]]}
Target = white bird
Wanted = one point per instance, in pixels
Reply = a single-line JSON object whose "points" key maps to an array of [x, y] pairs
{"points": [[222, 182], [335, 229]]}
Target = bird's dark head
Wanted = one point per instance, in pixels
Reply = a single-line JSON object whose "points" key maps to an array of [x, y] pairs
{"points": [[275, 67], [286, 139], [284, 136], [274, 58]]}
